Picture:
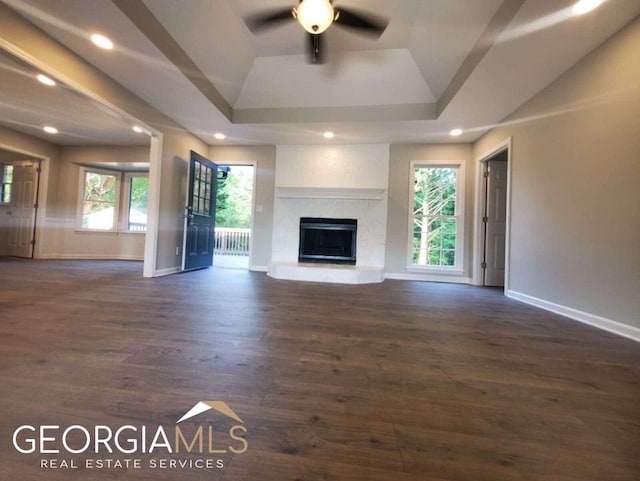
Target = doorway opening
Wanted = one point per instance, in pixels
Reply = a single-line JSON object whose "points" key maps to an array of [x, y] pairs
{"points": [[494, 229], [19, 206], [234, 216]]}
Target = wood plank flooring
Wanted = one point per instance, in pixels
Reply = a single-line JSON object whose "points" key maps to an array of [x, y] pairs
{"points": [[399, 381]]}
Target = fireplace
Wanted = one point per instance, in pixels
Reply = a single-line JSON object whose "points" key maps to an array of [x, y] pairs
{"points": [[328, 241]]}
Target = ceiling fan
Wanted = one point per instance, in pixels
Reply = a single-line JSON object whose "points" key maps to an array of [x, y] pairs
{"points": [[316, 16]]}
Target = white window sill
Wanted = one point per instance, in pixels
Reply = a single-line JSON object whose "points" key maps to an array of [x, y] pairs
{"points": [[445, 271], [95, 231], [111, 231]]}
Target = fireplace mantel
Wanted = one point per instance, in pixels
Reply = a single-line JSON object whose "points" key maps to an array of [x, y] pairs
{"points": [[329, 193]]}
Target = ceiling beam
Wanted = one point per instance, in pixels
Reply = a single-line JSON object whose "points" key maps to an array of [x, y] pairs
{"points": [[496, 26], [150, 26], [26, 42]]}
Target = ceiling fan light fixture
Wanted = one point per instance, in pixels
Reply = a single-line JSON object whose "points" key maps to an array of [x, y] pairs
{"points": [[315, 16]]}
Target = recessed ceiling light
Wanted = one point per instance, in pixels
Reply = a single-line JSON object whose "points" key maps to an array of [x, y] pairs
{"points": [[42, 78], [137, 129], [102, 41], [219, 136], [328, 135], [455, 132], [585, 6], [50, 130]]}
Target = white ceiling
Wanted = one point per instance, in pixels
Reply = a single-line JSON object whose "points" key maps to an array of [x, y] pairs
{"points": [[440, 64], [27, 106]]}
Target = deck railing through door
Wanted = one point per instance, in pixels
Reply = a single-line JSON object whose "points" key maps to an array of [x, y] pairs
{"points": [[231, 241]]}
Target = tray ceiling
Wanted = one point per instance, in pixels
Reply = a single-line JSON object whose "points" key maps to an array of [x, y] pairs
{"points": [[439, 64]]}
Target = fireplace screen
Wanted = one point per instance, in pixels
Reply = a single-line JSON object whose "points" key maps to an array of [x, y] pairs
{"points": [[329, 241]]}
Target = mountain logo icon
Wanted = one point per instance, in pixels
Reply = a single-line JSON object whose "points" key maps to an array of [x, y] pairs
{"points": [[204, 406]]}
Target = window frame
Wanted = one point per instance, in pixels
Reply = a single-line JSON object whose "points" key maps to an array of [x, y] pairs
{"points": [[116, 203], [126, 205], [458, 267]]}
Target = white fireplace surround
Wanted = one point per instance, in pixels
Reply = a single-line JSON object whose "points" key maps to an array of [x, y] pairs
{"points": [[343, 182]]}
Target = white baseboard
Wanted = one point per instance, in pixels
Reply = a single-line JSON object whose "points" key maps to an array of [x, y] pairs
{"points": [[427, 278], [90, 257], [259, 268], [166, 272], [609, 325]]}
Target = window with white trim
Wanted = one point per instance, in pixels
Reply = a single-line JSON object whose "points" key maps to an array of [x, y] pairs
{"points": [[100, 206], [436, 223], [136, 190], [99, 200]]}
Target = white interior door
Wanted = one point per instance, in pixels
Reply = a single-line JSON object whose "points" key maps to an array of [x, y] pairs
{"points": [[23, 208], [495, 223]]}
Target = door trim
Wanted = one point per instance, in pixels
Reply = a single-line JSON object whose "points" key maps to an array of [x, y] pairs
{"points": [[254, 165], [43, 182], [153, 207], [478, 238]]}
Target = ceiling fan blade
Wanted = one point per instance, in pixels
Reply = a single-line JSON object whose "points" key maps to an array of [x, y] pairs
{"points": [[315, 48], [273, 18], [365, 22]]}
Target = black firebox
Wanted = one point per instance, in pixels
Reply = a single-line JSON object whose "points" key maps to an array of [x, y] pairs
{"points": [[328, 241]]}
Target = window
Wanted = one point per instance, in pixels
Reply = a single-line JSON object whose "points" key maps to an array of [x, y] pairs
{"points": [[201, 200], [100, 206], [99, 196], [136, 190], [436, 217], [6, 175]]}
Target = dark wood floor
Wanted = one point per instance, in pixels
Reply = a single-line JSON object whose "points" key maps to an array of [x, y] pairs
{"points": [[400, 381]]}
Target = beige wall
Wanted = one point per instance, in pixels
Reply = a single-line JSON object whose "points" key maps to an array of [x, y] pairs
{"points": [[264, 158], [64, 240], [401, 157], [34, 148], [575, 226]]}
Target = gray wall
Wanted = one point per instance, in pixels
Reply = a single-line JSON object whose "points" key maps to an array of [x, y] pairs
{"points": [[265, 159], [575, 232]]}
